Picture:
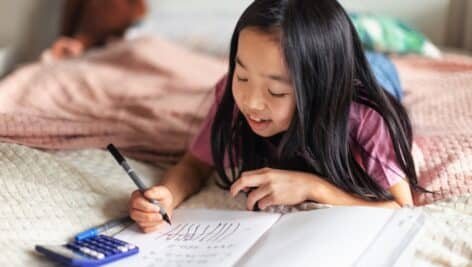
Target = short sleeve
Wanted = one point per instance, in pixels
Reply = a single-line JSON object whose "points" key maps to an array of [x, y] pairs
{"points": [[376, 147], [200, 146]]}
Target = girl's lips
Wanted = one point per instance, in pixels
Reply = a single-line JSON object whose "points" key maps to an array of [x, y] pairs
{"points": [[258, 125]]}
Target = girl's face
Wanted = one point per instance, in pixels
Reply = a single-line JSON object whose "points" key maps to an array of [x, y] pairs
{"points": [[261, 84]]}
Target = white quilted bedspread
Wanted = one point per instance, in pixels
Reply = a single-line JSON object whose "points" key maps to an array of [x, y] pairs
{"points": [[45, 198]]}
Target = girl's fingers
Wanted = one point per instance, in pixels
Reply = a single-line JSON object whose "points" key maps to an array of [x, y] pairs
{"points": [[251, 173], [161, 194], [258, 171], [151, 228], [158, 193], [148, 224], [140, 216], [141, 203], [256, 195], [248, 181], [267, 201]]}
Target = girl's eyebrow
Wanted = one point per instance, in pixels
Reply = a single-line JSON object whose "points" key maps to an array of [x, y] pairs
{"points": [[274, 77]]}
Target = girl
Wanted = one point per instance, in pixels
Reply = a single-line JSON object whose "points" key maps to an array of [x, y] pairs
{"points": [[299, 117]]}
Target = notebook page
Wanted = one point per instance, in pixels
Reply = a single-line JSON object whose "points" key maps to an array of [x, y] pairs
{"points": [[198, 237], [326, 237]]}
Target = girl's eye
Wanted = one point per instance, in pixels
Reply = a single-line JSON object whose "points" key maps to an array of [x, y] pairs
{"points": [[241, 79], [276, 95]]}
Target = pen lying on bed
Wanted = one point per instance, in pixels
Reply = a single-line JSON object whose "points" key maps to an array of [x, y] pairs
{"points": [[102, 228]]}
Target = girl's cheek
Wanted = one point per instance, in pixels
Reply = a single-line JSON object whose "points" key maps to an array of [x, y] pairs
{"points": [[284, 116], [237, 99], [238, 96]]}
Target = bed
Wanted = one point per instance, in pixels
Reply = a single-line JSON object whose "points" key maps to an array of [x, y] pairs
{"points": [[55, 116]]}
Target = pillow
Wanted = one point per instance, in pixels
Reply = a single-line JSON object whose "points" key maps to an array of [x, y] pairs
{"points": [[204, 25], [389, 35]]}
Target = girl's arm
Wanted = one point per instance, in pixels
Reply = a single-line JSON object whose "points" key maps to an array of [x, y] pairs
{"points": [[325, 192], [283, 187], [186, 178]]}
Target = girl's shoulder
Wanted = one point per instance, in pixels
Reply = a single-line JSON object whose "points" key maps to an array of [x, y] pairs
{"points": [[373, 146], [364, 120]]}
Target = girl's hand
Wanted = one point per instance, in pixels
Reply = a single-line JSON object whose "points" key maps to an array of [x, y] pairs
{"points": [[147, 215], [275, 187]]}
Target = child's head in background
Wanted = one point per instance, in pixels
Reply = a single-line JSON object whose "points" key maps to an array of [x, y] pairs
{"points": [[295, 68]]}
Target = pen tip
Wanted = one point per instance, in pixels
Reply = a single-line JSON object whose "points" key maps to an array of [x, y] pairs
{"points": [[167, 219]]}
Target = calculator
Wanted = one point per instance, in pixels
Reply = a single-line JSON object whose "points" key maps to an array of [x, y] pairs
{"points": [[93, 251]]}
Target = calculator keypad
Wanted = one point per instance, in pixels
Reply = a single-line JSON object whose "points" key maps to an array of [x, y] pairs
{"points": [[99, 247]]}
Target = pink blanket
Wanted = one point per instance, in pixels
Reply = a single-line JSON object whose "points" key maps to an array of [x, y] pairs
{"points": [[147, 96], [438, 95]]}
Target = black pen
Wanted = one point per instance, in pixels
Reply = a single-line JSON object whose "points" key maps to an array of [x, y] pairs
{"points": [[121, 160]]}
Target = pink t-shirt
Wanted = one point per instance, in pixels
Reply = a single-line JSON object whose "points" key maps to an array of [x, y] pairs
{"points": [[370, 141]]}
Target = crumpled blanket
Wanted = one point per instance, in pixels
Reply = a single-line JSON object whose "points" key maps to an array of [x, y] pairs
{"points": [[147, 96]]}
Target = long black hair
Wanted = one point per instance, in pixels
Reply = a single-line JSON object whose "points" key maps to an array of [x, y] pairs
{"points": [[324, 58]]}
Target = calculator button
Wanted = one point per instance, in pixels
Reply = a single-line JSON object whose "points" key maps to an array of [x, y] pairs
{"points": [[120, 242], [116, 244], [93, 247], [106, 237], [93, 242], [111, 244], [115, 251], [100, 250], [114, 241], [73, 246], [122, 248], [108, 248], [89, 242], [101, 246], [85, 250]]}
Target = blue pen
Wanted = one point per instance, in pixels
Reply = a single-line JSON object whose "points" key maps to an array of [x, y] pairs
{"points": [[102, 228]]}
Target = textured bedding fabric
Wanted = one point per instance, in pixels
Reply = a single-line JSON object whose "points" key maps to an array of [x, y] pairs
{"points": [[438, 96], [46, 198]]}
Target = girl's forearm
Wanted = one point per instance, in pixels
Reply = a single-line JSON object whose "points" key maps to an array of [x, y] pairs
{"points": [[327, 193], [185, 179]]}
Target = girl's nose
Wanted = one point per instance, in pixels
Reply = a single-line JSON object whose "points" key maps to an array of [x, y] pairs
{"points": [[254, 101]]}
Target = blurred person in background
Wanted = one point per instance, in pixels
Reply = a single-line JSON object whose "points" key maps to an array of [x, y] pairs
{"points": [[93, 23]]}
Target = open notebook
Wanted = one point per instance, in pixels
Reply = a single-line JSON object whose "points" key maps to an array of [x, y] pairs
{"points": [[341, 236]]}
